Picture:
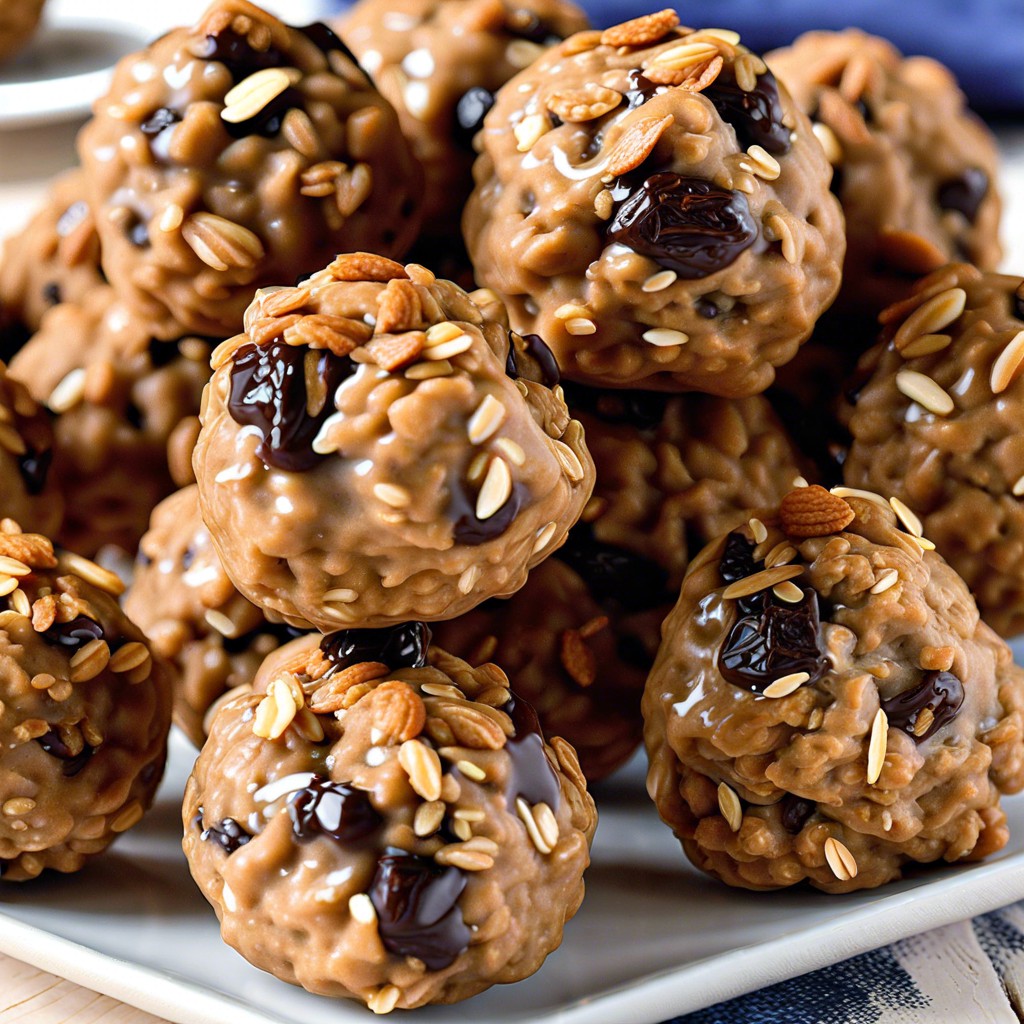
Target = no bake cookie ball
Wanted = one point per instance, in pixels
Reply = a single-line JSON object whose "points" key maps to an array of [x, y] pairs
{"points": [[827, 706], [373, 448], [183, 601], [387, 824], [914, 169], [936, 418], [28, 489], [236, 153], [126, 410], [85, 709], [653, 204], [439, 62], [54, 258], [19, 20]]}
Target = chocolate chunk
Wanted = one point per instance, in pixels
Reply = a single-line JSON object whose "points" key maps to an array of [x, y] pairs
{"points": [[228, 835], [34, 467], [468, 529], [268, 391], [756, 115], [737, 561], [641, 89], [775, 641], [51, 293], [470, 112], [795, 812], [72, 217], [235, 53], [74, 634], [1018, 302], [532, 776], [56, 747], [159, 120], [965, 194], [401, 646], [941, 693], [685, 224], [614, 575], [418, 913], [333, 809], [533, 348]]}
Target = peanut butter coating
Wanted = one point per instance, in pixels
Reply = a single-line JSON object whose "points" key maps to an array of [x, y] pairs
{"points": [[184, 602], [914, 169], [126, 410], [427, 55], [957, 459], [235, 153], [803, 779], [630, 215], [382, 472], [85, 712], [431, 783]]}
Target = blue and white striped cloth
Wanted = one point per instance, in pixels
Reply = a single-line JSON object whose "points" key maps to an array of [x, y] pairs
{"points": [[967, 973]]}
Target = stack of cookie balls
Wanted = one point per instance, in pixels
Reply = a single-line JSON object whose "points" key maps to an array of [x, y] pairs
{"points": [[376, 451], [426, 558]]}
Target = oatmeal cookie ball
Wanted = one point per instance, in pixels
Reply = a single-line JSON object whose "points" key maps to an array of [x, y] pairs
{"points": [[84, 709], [183, 601], [654, 205], [54, 258], [439, 62], [579, 639], [372, 448], [936, 418], [19, 20], [126, 419], [914, 169], [387, 824], [827, 706], [236, 153], [29, 492]]}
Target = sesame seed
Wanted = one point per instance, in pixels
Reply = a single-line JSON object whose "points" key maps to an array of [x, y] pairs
{"points": [[840, 860], [489, 416], [68, 393], [580, 325], [448, 349], [495, 490], [662, 337], [392, 494], [758, 529], [907, 517], [512, 451], [470, 770], [785, 685], [829, 142], [730, 806], [437, 334], [360, 906], [855, 492], [765, 165], [660, 281], [931, 316], [1005, 368], [761, 581], [920, 388], [877, 746], [544, 536], [425, 371], [788, 592], [570, 309], [888, 578], [925, 345]]}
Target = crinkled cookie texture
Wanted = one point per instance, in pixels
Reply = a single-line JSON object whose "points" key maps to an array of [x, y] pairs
{"points": [[914, 169], [827, 706], [19, 20], [183, 601], [126, 410], [578, 640], [85, 710], [651, 203], [54, 258], [236, 153], [29, 492], [386, 824], [439, 62], [372, 451], [936, 418]]}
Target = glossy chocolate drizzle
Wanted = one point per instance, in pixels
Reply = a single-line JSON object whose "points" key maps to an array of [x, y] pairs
{"points": [[942, 693], [74, 634], [268, 391], [56, 747], [769, 638], [400, 646], [688, 225], [756, 115], [417, 904], [641, 89], [532, 776], [965, 193], [536, 350], [228, 834], [333, 809]]}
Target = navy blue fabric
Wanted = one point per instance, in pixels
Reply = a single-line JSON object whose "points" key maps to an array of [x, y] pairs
{"points": [[981, 40]]}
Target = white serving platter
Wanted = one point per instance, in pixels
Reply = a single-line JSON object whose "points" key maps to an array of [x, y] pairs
{"points": [[653, 939]]}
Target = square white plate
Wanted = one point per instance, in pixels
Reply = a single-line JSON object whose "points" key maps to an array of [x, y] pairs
{"points": [[653, 939]]}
